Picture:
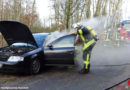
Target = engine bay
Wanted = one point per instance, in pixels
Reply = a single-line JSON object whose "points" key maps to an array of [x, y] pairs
{"points": [[8, 51]]}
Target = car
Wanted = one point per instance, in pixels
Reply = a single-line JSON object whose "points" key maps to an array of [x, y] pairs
{"points": [[60, 51], [24, 51], [125, 29], [29, 52]]}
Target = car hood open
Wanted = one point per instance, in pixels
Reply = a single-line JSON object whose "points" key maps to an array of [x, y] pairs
{"points": [[14, 32]]}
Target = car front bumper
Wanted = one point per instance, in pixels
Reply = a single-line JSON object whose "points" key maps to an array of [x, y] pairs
{"points": [[12, 67]]}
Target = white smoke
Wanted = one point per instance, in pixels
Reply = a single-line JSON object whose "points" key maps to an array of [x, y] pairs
{"points": [[57, 34], [98, 24], [79, 62]]}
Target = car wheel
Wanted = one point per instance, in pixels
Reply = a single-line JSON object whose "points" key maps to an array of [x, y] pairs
{"points": [[35, 66]]}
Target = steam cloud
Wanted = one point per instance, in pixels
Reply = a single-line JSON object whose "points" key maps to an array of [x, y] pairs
{"points": [[100, 55]]}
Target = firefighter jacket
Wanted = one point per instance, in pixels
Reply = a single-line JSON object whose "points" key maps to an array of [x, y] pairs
{"points": [[88, 36]]}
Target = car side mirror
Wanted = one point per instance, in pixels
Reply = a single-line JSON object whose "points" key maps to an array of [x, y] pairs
{"points": [[50, 46]]}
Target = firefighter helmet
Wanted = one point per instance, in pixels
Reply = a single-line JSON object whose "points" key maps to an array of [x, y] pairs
{"points": [[76, 25]]}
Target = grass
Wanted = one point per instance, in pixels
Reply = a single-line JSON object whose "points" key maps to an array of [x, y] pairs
{"points": [[8, 79]]}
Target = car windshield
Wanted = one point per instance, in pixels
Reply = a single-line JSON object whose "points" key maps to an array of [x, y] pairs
{"points": [[40, 38]]}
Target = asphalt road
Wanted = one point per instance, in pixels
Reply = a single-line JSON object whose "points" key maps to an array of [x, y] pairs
{"points": [[108, 66]]}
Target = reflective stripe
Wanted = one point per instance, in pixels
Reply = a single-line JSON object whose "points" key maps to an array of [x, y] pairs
{"points": [[91, 31], [86, 62], [86, 45], [81, 35]]}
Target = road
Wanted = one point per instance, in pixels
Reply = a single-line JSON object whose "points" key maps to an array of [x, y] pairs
{"points": [[108, 66]]}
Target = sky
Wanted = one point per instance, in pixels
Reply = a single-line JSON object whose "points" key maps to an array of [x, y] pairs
{"points": [[43, 9]]}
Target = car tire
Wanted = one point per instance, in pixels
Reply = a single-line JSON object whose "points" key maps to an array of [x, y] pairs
{"points": [[35, 67]]}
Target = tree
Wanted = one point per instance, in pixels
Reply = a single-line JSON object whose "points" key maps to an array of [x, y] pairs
{"points": [[20, 10], [68, 12]]}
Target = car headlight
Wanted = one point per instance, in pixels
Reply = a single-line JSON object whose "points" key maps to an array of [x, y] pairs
{"points": [[15, 58]]}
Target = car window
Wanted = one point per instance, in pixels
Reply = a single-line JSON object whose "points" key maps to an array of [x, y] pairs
{"points": [[67, 41]]}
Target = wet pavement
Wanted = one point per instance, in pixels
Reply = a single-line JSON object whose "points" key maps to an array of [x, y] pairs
{"points": [[109, 66]]}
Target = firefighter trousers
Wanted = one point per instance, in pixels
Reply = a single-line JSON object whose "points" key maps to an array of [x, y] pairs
{"points": [[87, 55]]}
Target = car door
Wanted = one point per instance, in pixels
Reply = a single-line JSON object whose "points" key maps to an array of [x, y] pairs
{"points": [[61, 51]]}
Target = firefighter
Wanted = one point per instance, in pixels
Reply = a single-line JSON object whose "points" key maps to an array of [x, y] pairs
{"points": [[89, 38], [117, 38], [103, 36], [108, 37]]}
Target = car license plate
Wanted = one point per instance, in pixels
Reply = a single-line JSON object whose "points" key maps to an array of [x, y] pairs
{"points": [[1, 65]]}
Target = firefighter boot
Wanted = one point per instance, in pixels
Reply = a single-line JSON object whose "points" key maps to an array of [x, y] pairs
{"points": [[84, 70]]}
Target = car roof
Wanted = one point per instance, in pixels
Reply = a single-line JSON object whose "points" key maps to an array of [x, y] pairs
{"points": [[40, 38]]}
